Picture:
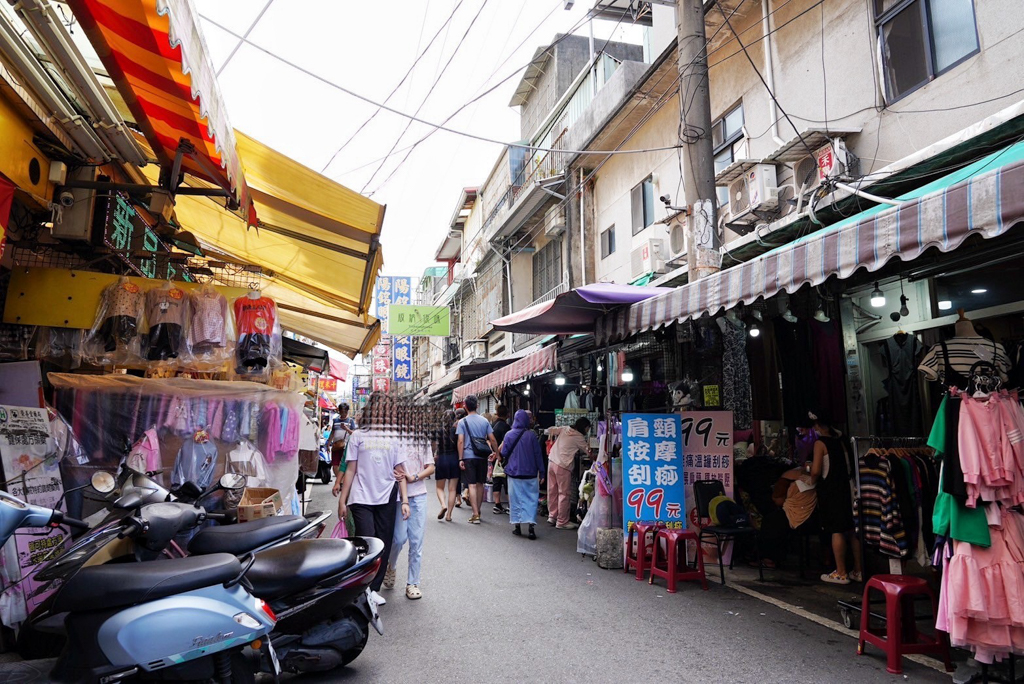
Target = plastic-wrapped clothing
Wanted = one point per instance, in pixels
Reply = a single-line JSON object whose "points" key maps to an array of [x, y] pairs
{"points": [[196, 462]]}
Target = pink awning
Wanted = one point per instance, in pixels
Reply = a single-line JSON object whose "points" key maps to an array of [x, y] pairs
{"points": [[540, 361], [574, 312]]}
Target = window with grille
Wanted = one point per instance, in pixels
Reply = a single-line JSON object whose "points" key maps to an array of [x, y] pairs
{"points": [[727, 136], [547, 268], [921, 39]]}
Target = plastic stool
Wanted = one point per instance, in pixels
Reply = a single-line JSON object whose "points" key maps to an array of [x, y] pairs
{"points": [[674, 569], [642, 557], [900, 636]]}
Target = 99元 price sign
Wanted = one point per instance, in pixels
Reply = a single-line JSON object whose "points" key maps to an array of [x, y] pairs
{"points": [[652, 469]]}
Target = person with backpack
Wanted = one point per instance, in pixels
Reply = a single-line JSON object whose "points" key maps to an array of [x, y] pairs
{"points": [[476, 444], [523, 463]]}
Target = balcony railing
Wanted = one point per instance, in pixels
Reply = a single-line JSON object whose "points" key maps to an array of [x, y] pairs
{"points": [[523, 340], [537, 166]]}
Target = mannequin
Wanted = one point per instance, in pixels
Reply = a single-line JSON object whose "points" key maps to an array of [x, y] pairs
{"points": [[961, 352]]}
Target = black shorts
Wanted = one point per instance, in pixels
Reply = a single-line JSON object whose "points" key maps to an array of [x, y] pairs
{"points": [[475, 472], [499, 484]]}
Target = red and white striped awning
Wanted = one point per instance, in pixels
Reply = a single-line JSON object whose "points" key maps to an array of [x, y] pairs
{"points": [[541, 361], [154, 52], [981, 199]]}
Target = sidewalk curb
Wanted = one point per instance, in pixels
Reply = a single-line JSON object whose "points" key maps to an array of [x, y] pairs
{"points": [[825, 622]]}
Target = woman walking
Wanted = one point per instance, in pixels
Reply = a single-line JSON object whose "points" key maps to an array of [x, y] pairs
{"points": [[369, 488], [419, 465], [447, 465], [524, 465]]}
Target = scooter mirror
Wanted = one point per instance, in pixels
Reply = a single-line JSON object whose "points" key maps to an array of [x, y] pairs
{"points": [[103, 482], [232, 481]]}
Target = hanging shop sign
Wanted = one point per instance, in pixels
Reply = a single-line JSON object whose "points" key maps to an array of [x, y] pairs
{"points": [[127, 233], [32, 472], [402, 351], [419, 321], [652, 467], [329, 385]]}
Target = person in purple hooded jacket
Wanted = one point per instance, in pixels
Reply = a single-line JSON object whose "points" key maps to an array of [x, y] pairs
{"points": [[525, 463]]}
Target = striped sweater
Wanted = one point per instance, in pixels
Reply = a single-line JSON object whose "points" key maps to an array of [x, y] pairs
{"points": [[881, 520]]}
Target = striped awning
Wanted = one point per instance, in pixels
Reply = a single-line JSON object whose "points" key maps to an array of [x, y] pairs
{"points": [[154, 52], [540, 361], [985, 198]]}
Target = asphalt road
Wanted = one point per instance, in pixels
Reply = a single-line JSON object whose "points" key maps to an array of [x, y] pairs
{"points": [[497, 607]]}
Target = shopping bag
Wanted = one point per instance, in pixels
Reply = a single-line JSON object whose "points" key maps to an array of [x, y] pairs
{"points": [[340, 531]]}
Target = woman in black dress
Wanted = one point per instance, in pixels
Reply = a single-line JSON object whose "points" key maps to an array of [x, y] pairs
{"points": [[831, 471], [447, 464]]}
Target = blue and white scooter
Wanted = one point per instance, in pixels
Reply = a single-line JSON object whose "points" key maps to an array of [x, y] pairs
{"points": [[180, 619]]}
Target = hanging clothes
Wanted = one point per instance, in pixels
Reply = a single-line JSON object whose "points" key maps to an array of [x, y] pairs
{"points": [[763, 360], [736, 373], [799, 389], [829, 369], [880, 516], [900, 353]]}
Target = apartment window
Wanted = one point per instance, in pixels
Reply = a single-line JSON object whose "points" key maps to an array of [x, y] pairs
{"points": [[607, 242], [921, 39], [547, 268], [642, 202], [727, 136]]}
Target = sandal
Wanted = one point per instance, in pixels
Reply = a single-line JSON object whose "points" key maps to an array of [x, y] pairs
{"points": [[389, 578], [413, 592], [441, 514], [835, 578]]}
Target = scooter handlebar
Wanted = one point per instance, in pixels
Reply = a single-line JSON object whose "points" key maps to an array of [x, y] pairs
{"points": [[75, 522]]}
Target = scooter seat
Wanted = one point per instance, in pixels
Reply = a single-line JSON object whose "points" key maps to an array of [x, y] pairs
{"points": [[128, 584], [297, 566], [244, 537]]}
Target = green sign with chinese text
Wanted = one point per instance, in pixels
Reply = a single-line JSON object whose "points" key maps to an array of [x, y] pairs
{"points": [[419, 321]]}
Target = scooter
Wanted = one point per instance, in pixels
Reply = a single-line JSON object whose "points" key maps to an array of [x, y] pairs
{"points": [[182, 619], [319, 587]]}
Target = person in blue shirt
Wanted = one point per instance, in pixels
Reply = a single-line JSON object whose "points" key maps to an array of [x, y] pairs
{"points": [[472, 459]]}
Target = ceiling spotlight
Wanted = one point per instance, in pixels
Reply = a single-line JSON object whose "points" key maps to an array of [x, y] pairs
{"points": [[945, 305], [560, 380], [904, 311], [979, 290], [877, 297], [627, 375], [754, 330], [820, 316]]}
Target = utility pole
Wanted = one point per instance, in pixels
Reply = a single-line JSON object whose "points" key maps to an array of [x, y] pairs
{"points": [[703, 254]]}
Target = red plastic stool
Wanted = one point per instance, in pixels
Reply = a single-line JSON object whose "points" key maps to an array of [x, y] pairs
{"points": [[642, 558], [900, 635], [674, 566]]}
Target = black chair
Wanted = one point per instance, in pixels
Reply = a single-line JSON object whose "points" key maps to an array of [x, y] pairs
{"points": [[704, 491]]}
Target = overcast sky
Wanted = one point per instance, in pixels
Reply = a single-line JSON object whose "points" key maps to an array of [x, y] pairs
{"points": [[368, 47]]}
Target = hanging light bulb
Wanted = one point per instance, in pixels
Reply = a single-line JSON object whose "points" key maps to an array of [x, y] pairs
{"points": [[627, 375], [600, 366], [754, 330], [526, 390], [559, 379], [877, 297], [904, 311], [821, 316]]}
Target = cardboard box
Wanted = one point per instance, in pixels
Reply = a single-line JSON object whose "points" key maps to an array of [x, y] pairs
{"points": [[259, 502]]}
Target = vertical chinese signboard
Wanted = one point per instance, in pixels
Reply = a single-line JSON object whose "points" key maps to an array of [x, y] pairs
{"points": [[652, 469], [381, 367], [33, 475], [392, 290], [126, 232], [401, 295]]}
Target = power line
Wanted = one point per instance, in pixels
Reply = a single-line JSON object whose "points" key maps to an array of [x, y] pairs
{"points": [[464, 134], [430, 91], [242, 38]]}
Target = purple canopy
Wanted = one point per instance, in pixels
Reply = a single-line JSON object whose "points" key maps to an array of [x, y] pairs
{"points": [[576, 311]]}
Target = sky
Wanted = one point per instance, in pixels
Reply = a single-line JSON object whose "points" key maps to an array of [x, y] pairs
{"points": [[367, 47]]}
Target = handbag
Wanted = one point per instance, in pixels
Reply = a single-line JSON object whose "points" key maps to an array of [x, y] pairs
{"points": [[340, 530], [481, 447]]}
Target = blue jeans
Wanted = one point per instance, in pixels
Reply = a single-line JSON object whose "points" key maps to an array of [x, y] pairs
{"points": [[411, 530]]}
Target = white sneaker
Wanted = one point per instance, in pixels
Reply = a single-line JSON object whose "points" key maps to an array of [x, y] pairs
{"points": [[377, 598], [568, 526]]}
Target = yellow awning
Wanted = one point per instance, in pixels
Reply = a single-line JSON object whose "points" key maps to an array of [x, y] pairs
{"points": [[314, 235]]}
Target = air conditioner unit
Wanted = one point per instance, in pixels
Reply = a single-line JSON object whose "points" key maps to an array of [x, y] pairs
{"points": [[554, 221], [77, 213], [649, 257], [677, 241], [476, 350], [458, 271], [756, 190]]}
